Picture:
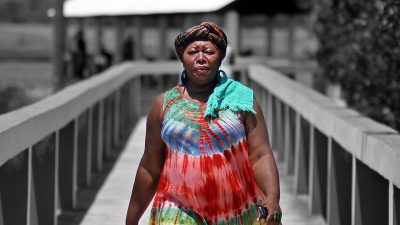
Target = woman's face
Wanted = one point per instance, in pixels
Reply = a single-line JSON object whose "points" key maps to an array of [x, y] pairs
{"points": [[201, 60]]}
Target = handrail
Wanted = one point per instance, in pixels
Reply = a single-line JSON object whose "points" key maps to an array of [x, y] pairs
{"points": [[22, 128], [358, 134], [347, 164]]}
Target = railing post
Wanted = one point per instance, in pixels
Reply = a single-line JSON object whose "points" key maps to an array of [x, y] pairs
{"points": [[56, 178], [123, 111], [132, 115], [329, 181], [270, 119], [279, 128], [100, 137], [354, 190], [290, 138], [301, 156], [312, 170], [116, 118], [395, 198], [107, 134], [264, 108], [339, 185], [287, 136], [391, 203], [84, 153], [371, 191], [43, 194], [29, 197], [318, 172], [89, 145], [97, 136], [1, 210], [14, 184], [137, 98], [68, 161]]}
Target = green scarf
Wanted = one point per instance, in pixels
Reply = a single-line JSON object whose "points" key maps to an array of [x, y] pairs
{"points": [[229, 94]]}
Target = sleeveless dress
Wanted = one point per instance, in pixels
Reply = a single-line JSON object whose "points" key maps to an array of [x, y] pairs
{"points": [[207, 176]]}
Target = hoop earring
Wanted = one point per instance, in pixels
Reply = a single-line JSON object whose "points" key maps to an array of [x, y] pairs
{"points": [[183, 77], [222, 77]]}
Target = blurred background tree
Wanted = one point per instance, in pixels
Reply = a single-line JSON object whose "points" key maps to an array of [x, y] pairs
{"points": [[25, 52], [13, 97], [24, 10], [359, 48]]}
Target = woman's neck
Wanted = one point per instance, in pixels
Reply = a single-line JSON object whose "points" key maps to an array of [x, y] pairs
{"points": [[199, 92], [198, 88]]}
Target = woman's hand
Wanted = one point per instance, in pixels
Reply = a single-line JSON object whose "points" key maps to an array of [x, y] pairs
{"points": [[274, 212]]}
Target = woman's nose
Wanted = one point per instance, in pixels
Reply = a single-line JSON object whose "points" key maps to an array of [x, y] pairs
{"points": [[200, 58]]}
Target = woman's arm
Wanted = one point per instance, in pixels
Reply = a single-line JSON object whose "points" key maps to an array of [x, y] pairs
{"points": [[150, 166], [262, 160]]}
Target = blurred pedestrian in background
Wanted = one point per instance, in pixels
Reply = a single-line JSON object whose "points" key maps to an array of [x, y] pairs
{"points": [[128, 48], [79, 55]]}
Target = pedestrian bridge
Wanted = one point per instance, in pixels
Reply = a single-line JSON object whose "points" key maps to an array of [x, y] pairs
{"points": [[337, 167]]}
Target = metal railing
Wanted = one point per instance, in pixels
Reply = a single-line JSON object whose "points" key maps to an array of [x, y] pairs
{"points": [[52, 148], [346, 164]]}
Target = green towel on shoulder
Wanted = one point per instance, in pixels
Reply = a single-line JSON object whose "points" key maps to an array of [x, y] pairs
{"points": [[229, 94]]}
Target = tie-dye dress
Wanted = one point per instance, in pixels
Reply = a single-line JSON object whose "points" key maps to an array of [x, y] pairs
{"points": [[207, 176]]}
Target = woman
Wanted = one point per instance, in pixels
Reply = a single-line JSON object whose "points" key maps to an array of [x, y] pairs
{"points": [[207, 157]]}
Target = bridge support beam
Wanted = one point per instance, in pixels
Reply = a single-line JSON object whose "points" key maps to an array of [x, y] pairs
{"points": [[84, 150], [279, 127], [97, 112], [289, 142], [107, 133], [137, 98], [339, 185], [68, 165], [116, 118], [270, 117], [43, 192], [14, 190], [318, 172], [302, 151], [370, 196], [394, 211]]}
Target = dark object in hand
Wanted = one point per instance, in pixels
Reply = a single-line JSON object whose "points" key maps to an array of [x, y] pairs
{"points": [[263, 211]]}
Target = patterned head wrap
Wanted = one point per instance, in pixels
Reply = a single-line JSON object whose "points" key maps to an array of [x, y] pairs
{"points": [[206, 31]]}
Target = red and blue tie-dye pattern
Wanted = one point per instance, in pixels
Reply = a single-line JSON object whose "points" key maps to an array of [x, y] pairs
{"points": [[207, 177]]}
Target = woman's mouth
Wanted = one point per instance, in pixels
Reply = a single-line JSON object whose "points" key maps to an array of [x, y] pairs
{"points": [[202, 68]]}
